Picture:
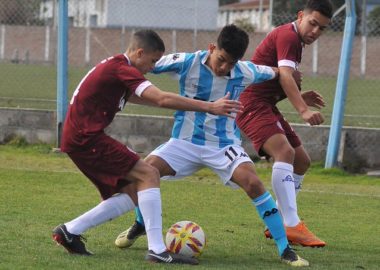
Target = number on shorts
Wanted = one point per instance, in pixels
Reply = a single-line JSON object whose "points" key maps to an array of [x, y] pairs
{"points": [[231, 153]]}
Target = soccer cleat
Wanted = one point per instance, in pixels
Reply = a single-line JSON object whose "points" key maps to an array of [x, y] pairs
{"points": [[168, 257], [300, 235], [71, 242], [128, 237], [290, 257]]}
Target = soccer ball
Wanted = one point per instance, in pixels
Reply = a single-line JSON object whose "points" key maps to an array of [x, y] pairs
{"points": [[186, 238]]}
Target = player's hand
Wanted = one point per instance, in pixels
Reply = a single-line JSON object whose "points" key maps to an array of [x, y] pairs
{"points": [[312, 117], [297, 75], [225, 106], [313, 99]]}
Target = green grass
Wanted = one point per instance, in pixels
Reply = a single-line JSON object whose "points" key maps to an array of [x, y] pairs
{"points": [[34, 86], [40, 189]]}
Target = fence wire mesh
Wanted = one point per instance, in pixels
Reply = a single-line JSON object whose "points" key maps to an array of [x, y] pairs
{"points": [[100, 28]]}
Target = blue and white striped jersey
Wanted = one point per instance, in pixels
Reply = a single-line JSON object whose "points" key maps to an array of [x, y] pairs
{"points": [[196, 80]]}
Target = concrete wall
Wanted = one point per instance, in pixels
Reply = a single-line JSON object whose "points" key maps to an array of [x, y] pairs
{"points": [[361, 148]]}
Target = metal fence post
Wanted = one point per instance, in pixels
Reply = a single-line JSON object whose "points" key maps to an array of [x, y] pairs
{"points": [[62, 67], [341, 85]]}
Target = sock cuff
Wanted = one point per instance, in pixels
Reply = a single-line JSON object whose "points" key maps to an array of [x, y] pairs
{"points": [[262, 198], [149, 192], [283, 166]]}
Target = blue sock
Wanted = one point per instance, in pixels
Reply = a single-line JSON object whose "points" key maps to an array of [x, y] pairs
{"points": [[267, 209], [139, 217]]}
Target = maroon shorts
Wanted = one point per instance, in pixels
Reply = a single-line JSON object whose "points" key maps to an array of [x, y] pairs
{"points": [[262, 122], [105, 163]]}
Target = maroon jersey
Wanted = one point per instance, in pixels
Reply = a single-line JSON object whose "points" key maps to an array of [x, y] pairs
{"points": [[281, 47], [99, 96]]}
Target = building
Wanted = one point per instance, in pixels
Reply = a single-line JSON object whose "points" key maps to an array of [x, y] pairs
{"points": [[168, 14], [256, 12]]}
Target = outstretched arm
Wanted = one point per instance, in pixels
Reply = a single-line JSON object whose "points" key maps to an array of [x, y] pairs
{"points": [[223, 106], [292, 92]]}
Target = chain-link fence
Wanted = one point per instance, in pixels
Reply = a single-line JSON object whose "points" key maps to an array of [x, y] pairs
{"points": [[100, 28]]}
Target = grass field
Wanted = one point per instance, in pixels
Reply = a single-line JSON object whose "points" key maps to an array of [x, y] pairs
{"points": [[34, 86], [40, 189]]}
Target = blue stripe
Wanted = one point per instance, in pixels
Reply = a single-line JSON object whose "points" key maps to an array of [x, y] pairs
{"points": [[179, 116], [189, 58], [221, 122], [258, 77], [203, 93], [174, 67]]}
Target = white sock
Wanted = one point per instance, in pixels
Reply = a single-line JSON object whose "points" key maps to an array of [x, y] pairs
{"points": [[283, 187], [150, 207], [298, 179], [103, 212]]}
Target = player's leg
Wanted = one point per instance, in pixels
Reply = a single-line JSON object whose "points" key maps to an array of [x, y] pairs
{"points": [[278, 147], [127, 238], [245, 177], [147, 180], [301, 165], [117, 158], [299, 234], [235, 168], [174, 159]]}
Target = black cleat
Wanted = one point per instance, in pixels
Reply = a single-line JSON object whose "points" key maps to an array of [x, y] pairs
{"points": [[128, 237], [289, 256], [168, 257], [71, 242]]}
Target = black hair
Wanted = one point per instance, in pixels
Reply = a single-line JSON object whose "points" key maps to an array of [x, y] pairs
{"points": [[148, 40], [322, 6], [233, 40]]}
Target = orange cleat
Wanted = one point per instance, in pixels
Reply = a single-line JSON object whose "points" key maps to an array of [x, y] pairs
{"points": [[300, 235]]}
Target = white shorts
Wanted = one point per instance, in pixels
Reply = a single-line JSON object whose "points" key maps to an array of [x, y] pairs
{"points": [[186, 158]]}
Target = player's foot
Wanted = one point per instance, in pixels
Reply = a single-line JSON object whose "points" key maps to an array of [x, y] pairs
{"points": [[128, 237], [71, 242], [300, 235], [290, 257], [168, 257]]}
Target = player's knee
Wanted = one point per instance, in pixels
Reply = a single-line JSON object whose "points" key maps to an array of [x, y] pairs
{"points": [[286, 153], [253, 186]]}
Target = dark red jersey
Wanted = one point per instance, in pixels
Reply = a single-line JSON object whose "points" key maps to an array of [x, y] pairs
{"points": [[99, 96], [281, 47]]}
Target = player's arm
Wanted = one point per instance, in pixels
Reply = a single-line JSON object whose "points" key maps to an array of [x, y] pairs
{"points": [[223, 106], [291, 90]]}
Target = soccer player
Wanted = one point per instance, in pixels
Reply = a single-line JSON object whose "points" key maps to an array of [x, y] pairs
{"points": [[265, 126], [108, 163], [204, 140]]}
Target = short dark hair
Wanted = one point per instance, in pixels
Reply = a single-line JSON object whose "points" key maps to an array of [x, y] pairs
{"points": [[233, 40], [148, 40], [322, 6]]}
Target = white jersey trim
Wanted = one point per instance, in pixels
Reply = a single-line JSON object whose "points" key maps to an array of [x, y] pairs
{"points": [[287, 63], [141, 88]]}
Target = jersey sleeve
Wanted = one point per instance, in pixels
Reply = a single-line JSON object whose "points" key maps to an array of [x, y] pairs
{"points": [[133, 80], [256, 73], [287, 46], [171, 63]]}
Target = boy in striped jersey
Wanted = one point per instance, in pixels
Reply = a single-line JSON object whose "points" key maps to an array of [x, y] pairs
{"points": [[204, 140]]}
